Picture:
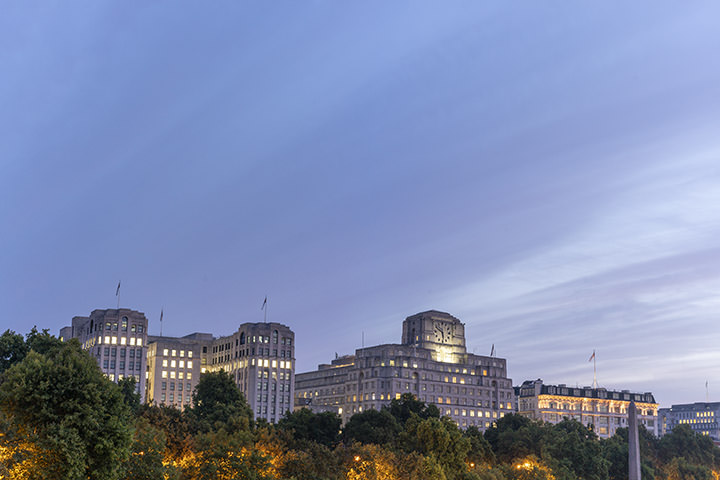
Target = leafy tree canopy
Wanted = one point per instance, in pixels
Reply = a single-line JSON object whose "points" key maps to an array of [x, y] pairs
{"points": [[218, 403], [66, 406], [322, 428]]}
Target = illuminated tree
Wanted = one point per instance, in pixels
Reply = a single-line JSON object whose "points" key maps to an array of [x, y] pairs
{"points": [[60, 402], [147, 456]]}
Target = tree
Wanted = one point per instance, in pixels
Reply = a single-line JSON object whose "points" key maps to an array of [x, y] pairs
{"points": [[177, 426], [130, 394], [322, 428], [12, 349], [403, 408], [65, 405], [574, 448], [218, 403], [515, 436], [372, 426], [146, 461], [480, 450]]}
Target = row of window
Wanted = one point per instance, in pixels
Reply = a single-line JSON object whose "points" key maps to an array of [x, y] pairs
{"points": [[164, 385], [171, 398], [176, 364], [113, 326], [132, 341], [113, 351], [178, 375], [131, 365], [281, 398], [167, 352]]}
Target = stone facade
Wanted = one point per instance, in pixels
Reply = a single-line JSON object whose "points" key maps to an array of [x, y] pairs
{"points": [[431, 363], [702, 417], [259, 356], [605, 410], [117, 339], [174, 366]]}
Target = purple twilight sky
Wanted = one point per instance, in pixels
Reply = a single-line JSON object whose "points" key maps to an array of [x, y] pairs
{"points": [[548, 172]]}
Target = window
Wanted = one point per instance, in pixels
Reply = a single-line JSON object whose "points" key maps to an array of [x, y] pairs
{"points": [[165, 352], [124, 324], [133, 328], [189, 364], [164, 385], [275, 337]]}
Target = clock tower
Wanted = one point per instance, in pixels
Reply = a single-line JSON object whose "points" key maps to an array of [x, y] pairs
{"points": [[437, 331]]}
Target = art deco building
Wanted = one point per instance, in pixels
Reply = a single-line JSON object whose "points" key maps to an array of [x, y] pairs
{"points": [[605, 410], [117, 339], [431, 362], [174, 366], [259, 356], [702, 417]]}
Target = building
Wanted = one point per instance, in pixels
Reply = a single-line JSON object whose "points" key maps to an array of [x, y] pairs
{"points": [[174, 366], [259, 356], [702, 417], [117, 339], [606, 410], [431, 362]]}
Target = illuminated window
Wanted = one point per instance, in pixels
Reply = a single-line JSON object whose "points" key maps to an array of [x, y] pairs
{"points": [[164, 374], [165, 363], [139, 342], [173, 364], [165, 352], [172, 374], [123, 340], [182, 353], [174, 352], [189, 364]]}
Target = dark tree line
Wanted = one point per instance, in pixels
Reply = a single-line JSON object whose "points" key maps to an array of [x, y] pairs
{"points": [[60, 418]]}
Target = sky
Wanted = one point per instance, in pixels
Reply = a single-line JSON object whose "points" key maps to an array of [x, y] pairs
{"points": [[547, 172]]}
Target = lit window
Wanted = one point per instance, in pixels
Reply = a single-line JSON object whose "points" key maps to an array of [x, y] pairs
{"points": [[182, 363], [189, 364], [274, 364], [165, 352], [189, 377], [189, 354], [174, 352], [114, 340], [180, 375], [123, 340], [132, 340], [165, 363], [107, 339], [164, 374], [139, 342], [172, 374], [173, 364]]}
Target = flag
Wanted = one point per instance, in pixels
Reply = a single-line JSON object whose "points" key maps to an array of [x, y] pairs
{"points": [[264, 304], [161, 314], [117, 290], [492, 350], [592, 357]]}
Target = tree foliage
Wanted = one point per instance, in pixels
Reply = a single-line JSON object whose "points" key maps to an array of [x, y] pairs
{"points": [[60, 402], [218, 403]]}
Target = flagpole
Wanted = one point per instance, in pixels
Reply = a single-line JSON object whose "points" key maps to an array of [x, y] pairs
{"points": [[117, 294], [595, 384], [161, 317]]}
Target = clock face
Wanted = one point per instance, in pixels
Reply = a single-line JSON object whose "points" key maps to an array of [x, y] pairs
{"points": [[443, 332]]}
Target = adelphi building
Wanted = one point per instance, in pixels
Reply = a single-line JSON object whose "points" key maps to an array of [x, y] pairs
{"points": [[431, 363]]}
